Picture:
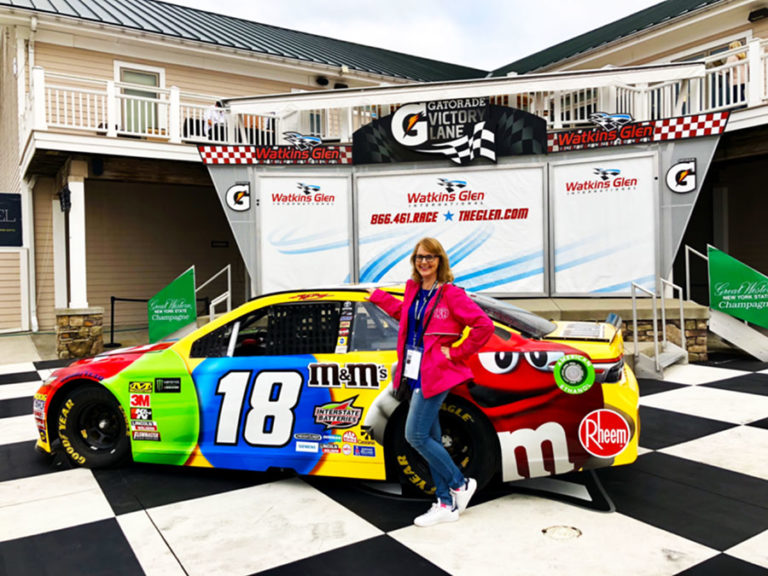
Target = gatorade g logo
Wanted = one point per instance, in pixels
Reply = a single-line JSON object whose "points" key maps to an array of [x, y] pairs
{"points": [[238, 197], [409, 125], [681, 178], [603, 433]]}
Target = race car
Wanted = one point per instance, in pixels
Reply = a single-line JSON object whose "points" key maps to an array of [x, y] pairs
{"points": [[301, 380]]}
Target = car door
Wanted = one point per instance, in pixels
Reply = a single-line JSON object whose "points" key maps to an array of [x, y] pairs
{"points": [[257, 406]]}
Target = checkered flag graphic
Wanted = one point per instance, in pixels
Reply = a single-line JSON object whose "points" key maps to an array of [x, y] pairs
{"points": [[465, 149]]}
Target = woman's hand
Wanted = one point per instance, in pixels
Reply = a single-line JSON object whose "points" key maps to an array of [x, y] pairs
{"points": [[370, 292], [446, 351]]}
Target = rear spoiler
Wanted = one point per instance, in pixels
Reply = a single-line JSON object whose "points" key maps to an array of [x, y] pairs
{"points": [[614, 320]]}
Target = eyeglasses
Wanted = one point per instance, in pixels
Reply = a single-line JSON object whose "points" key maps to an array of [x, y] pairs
{"points": [[426, 257]]}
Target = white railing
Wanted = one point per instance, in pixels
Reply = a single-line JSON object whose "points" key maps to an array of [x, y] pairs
{"points": [[118, 109]]}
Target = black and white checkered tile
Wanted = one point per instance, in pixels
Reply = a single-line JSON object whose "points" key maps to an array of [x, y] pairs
{"points": [[694, 503]]}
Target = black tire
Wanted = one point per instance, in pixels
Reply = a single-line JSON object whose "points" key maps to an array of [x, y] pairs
{"points": [[467, 435], [92, 428]]}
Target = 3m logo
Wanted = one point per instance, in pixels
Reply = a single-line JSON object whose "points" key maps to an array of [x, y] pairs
{"points": [[140, 401], [604, 433]]}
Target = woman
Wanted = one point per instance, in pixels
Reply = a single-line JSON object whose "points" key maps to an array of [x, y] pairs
{"points": [[433, 315]]}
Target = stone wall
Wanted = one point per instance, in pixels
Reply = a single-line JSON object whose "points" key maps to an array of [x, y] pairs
{"points": [[79, 332], [695, 335]]}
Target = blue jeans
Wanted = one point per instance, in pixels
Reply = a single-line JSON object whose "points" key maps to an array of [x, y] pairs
{"points": [[422, 431]]}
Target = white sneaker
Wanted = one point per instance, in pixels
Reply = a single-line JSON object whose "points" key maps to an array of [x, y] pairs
{"points": [[437, 514], [462, 496]]}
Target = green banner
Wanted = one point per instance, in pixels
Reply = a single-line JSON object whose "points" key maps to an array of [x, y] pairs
{"points": [[173, 307], [737, 289]]}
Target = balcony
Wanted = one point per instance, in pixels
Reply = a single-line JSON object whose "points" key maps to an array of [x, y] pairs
{"points": [[71, 106]]}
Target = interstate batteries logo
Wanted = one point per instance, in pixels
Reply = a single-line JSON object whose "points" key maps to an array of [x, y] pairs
{"points": [[306, 194], [338, 414], [601, 180]]}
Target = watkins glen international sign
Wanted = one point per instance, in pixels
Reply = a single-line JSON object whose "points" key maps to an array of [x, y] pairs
{"points": [[620, 130], [461, 130]]}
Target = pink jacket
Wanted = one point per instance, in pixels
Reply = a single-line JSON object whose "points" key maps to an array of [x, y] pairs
{"points": [[454, 312]]}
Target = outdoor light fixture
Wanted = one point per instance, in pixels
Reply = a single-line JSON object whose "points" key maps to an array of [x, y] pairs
{"points": [[65, 200], [758, 14]]}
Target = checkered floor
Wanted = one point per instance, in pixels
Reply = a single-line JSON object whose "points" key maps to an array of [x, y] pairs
{"points": [[694, 503]]}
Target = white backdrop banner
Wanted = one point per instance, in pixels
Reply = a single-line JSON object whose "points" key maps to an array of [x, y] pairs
{"points": [[490, 222], [305, 238], [604, 219]]}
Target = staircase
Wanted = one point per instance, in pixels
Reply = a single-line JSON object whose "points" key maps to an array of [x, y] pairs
{"points": [[739, 334], [650, 358], [736, 331]]}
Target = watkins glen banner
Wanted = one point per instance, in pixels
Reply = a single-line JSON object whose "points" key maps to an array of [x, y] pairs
{"points": [[304, 231], [737, 289], [462, 130], [491, 224], [603, 225], [621, 130]]}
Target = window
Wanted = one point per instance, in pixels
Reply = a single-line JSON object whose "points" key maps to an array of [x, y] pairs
{"points": [[283, 329], [372, 329], [138, 107]]}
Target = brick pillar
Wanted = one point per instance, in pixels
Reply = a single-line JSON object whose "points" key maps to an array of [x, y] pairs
{"points": [[79, 332]]}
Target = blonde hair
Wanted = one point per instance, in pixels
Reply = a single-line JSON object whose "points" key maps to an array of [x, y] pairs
{"points": [[432, 246], [737, 44]]}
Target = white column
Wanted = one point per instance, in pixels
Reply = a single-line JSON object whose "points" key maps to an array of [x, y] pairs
{"points": [[78, 291], [38, 99], [59, 255], [174, 116], [756, 73]]}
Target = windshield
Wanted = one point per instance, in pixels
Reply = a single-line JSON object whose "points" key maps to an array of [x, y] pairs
{"points": [[527, 323]]}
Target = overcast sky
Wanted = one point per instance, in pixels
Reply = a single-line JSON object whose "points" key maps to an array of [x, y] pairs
{"points": [[487, 34]]}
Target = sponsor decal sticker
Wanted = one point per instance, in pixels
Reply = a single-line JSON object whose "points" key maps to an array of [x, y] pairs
{"points": [[146, 436], [331, 449], [574, 374], [141, 413], [368, 451], [307, 447], [338, 414], [167, 384], [363, 375], [144, 426], [602, 180], [140, 400], [346, 450], [349, 437], [604, 433], [308, 436], [140, 387]]}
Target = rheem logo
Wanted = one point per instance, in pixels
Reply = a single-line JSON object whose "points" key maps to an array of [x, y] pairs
{"points": [[604, 433]]}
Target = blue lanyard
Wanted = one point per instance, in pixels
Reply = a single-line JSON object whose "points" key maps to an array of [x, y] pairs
{"points": [[419, 312]]}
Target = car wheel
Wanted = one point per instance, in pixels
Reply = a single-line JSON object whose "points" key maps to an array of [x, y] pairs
{"points": [[467, 436], [92, 428]]}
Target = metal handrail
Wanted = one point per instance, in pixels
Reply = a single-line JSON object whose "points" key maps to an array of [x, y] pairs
{"points": [[635, 287], [664, 314], [688, 249], [224, 296]]}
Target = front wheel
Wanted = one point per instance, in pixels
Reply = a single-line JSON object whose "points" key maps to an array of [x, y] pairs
{"points": [[467, 436], [92, 428]]}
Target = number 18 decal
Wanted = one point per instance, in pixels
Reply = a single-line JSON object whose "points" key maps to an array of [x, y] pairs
{"points": [[269, 419]]}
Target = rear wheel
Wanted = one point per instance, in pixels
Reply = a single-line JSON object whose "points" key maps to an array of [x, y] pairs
{"points": [[467, 436], [92, 428]]}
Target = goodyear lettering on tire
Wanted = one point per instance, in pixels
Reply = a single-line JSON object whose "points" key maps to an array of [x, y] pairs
{"points": [[66, 444]]}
